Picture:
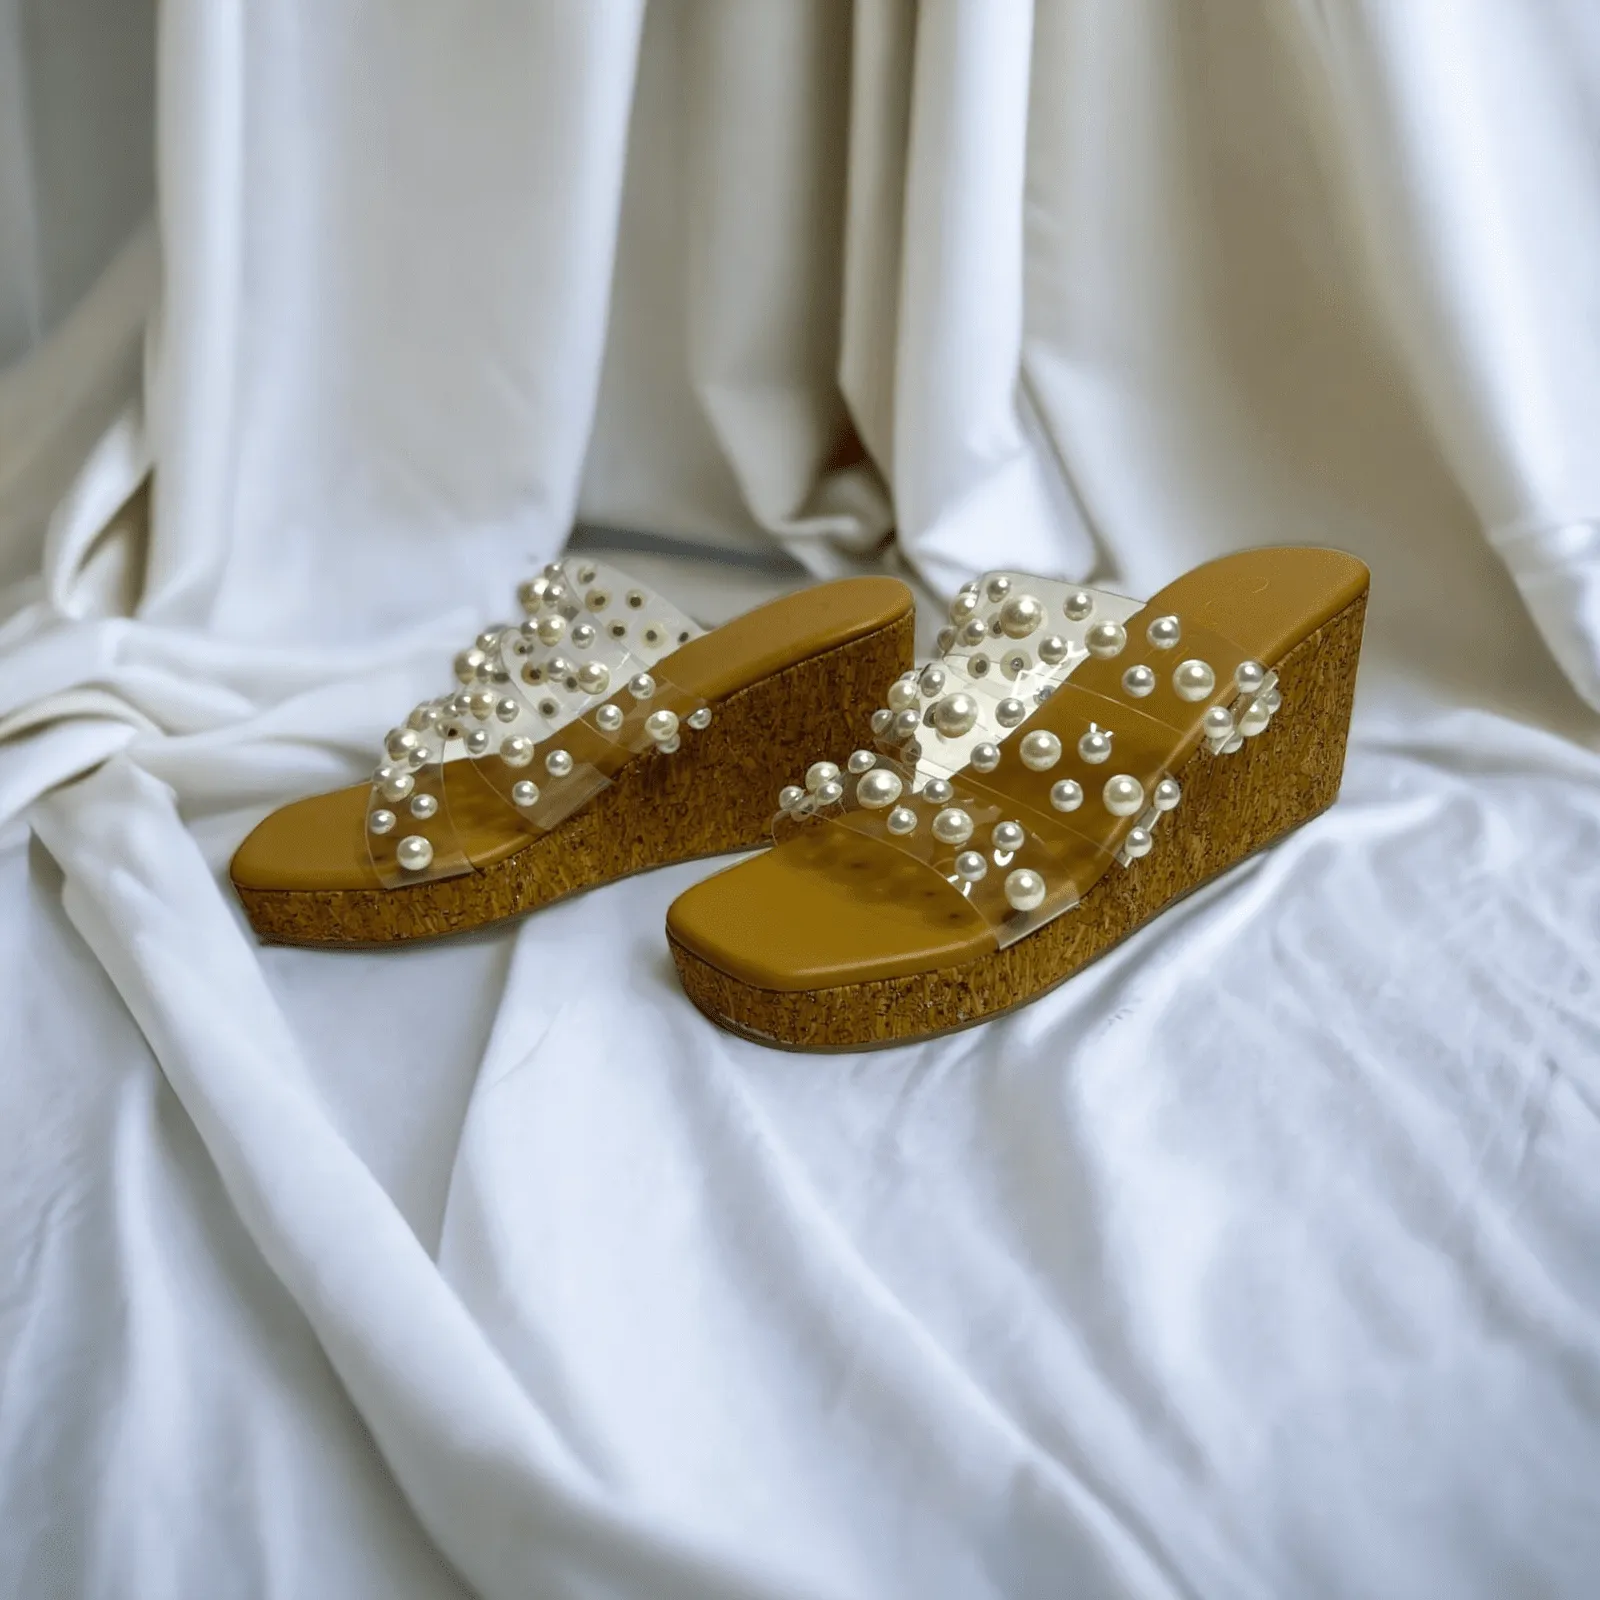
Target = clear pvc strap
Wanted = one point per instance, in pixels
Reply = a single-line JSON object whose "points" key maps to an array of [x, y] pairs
{"points": [[589, 633]]}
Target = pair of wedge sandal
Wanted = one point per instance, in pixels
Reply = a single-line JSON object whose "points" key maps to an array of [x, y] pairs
{"points": [[1071, 763]]}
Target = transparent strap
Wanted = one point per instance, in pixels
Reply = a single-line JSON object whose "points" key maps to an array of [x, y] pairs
{"points": [[545, 711]]}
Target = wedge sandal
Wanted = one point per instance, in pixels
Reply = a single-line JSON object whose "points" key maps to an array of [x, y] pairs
{"points": [[1072, 764], [603, 735]]}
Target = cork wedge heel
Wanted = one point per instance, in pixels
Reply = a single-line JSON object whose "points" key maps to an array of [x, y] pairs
{"points": [[1022, 832], [603, 736]]}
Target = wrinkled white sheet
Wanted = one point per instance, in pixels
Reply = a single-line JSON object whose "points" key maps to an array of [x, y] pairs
{"points": [[1261, 1259]]}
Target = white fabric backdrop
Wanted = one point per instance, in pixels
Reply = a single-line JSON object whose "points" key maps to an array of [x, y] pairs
{"points": [[1259, 1260]]}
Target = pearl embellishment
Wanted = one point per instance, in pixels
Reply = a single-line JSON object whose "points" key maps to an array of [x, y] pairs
{"points": [[524, 792], [1123, 795], [999, 587], [661, 725], [820, 773], [952, 826], [881, 721], [902, 820], [413, 853], [1095, 746], [380, 821], [1020, 616], [1053, 650], [641, 686], [789, 796], [1025, 889], [478, 742], [1066, 795], [699, 720], [905, 725], [861, 761], [1167, 795], [932, 680], [1138, 682], [1218, 723], [1008, 837], [985, 757], [830, 793], [903, 694], [558, 764], [1193, 680], [879, 789], [938, 792], [955, 715], [1105, 640], [1249, 676], [1137, 843], [1039, 750], [1010, 712], [1078, 605], [594, 677], [517, 751], [609, 718], [1164, 632], [971, 866], [423, 806]]}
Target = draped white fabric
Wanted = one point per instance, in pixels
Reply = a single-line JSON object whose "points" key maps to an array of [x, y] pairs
{"points": [[1264, 1258]]}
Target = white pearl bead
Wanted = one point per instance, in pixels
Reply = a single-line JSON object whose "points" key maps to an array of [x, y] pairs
{"points": [[881, 721], [609, 718], [1066, 795], [661, 725], [425, 716], [1025, 889], [506, 709], [480, 703], [1040, 750], [1164, 632], [1008, 837], [398, 786], [1218, 723], [423, 806], [1249, 676], [1095, 746], [952, 826], [467, 664], [641, 686], [551, 629], [1235, 743], [524, 792], [380, 821], [903, 694], [1078, 605], [413, 853], [830, 793], [1137, 843], [1193, 680], [1053, 650], [937, 791], [975, 631], [558, 763], [819, 773], [998, 588], [789, 796], [905, 725], [932, 680], [901, 820], [955, 715], [1254, 720], [985, 757], [478, 742], [699, 720], [879, 789], [1167, 794], [963, 606], [531, 593], [971, 865], [583, 635], [1020, 616], [401, 742], [1138, 682], [594, 677], [861, 761], [944, 639], [669, 747], [1273, 701], [1123, 795], [559, 667], [1105, 640], [1010, 712], [517, 751]]}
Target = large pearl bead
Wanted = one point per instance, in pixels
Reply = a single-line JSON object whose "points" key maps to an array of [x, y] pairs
{"points": [[661, 725], [932, 680], [985, 757], [467, 664], [397, 785], [481, 703], [425, 716], [1053, 650], [879, 789], [1078, 605], [641, 686], [1008, 837], [975, 631], [1123, 795], [380, 821], [401, 742], [517, 751], [609, 718], [1025, 889], [1010, 712], [558, 764], [905, 725], [1193, 680], [530, 595], [1040, 750], [1254, 720], [1095, 746], [789, 796], [903, 694], [1164, 632], [1066, 795], [583, 635], [551, 629], [902, 820], [1218, 723], [413, 853], [594, 677], [819, 773], [998, 588], [955, 715], [423, 806], [478, 742], [1137, 843], [1021, 615], [1105, 640], [1138, 682], [882, 720], [952, 826], [524, 793], [1249, 676], [506, 709], [1166, 795], [937, 791], [964, 605], [971, 865], [861, 761]]}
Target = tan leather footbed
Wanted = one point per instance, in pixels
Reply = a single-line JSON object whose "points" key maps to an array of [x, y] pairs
{"points": [[812, 913], [319, 843]]}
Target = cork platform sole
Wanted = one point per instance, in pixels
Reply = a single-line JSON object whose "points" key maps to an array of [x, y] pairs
{"points": [[1232, 808], [711, 799]]}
